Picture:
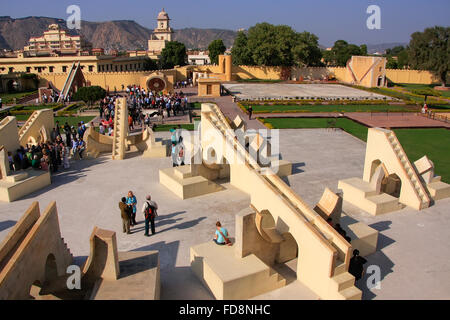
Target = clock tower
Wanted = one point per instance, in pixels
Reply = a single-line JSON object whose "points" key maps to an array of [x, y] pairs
{"points": [[161, 35]]}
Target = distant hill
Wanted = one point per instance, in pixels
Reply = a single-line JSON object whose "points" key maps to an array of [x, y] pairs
{"points": [[381, 48], [120, 35], [201, 38]]}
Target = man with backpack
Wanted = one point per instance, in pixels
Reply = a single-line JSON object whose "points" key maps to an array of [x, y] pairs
{"points": [[150, 213]]}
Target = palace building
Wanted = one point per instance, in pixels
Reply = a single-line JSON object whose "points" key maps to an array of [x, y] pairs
{"points": [[55, 41]]}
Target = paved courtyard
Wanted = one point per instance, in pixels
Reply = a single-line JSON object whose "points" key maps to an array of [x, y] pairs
{"points": [[297, 91], [414, 246]]}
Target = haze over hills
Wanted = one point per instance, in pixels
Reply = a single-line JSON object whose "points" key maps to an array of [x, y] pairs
{"points": [[119, 35]]}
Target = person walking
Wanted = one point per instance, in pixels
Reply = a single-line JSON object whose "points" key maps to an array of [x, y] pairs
{"points": [[125, 214], [356, 266], [132, 202], [250, 112], [150, 213]]}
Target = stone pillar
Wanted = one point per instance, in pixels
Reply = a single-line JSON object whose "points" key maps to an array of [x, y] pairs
{"points": [[228, 68]]}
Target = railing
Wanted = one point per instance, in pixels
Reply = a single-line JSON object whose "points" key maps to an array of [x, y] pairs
{"points": [[435, 116], [417, 187]]}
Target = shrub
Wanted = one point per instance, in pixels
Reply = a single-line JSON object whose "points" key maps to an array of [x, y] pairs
{"points": [[89, 94]]}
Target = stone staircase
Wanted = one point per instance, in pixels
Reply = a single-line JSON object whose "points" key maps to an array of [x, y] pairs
{"points": [[344, 283], [68, 83], [118, 142], [229, 278], [28, 124], [342, 280], [411, 173]]}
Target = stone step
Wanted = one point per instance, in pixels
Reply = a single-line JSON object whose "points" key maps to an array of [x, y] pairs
{"points": [[351, 293], [343, 281]]}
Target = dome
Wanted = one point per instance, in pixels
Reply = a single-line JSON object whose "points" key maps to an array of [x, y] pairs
{"points": [[163, 15]]}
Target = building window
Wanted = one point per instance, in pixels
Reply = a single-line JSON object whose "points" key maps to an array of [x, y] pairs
{"points": [[28, 69], [91, 68], [208, 90], [64, 69], [11, 70], [50, 69]]}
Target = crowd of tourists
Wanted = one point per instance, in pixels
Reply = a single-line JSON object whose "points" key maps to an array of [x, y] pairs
{"points": [[54, 97], [65, 142]]}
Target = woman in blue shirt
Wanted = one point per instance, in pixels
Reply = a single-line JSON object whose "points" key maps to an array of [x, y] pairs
{"points": [[221, 236], [131, 201]]}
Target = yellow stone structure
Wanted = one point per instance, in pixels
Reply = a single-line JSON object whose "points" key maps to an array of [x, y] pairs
{"points": [[33, 253], [366, 71], [436, 188], [122, 141], [34, 260], [37, 128], [284, 227], [390, 180], [15, 185]]}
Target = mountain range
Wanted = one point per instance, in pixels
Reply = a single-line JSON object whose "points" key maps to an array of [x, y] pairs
{"points": [[119, 34]]}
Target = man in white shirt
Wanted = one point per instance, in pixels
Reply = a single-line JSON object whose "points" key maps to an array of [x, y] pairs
{"points": [[149, 210]]}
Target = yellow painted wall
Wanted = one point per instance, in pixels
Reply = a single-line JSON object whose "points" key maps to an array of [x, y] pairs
{"points": [[411, 76], [9, 135], [115, 80]]}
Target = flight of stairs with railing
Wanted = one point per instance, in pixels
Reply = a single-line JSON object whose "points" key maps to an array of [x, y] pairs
{"points": [[412, 175], [28, 124], [118, 142], [69, 81], [343, 282]]}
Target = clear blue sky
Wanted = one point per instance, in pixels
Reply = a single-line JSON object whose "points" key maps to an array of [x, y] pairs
{"points": [[330, 20]]}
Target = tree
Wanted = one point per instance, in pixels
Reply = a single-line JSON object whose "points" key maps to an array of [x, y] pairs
{"points": [[391, 63], [215, 49], [89, 94], [397, 57], [342, 51], [270, 45], [174, 54], [150, 65], [240, 52], [306, 50], [430, 50]]}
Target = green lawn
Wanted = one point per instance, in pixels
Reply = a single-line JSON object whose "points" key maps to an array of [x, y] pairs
{"points": [[348, 125], [431, 142], [196, 105], [411, 87], [73, 121], [331, 108], [416, 142], [167, 127], [9, 97]]}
